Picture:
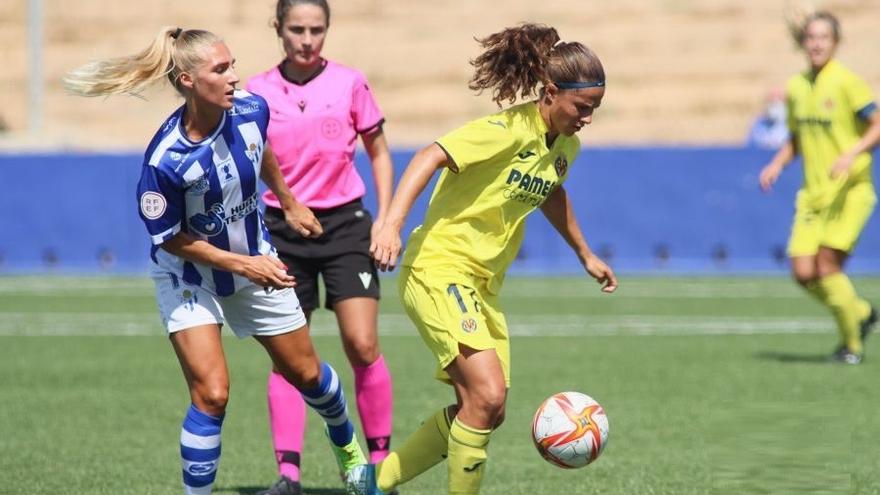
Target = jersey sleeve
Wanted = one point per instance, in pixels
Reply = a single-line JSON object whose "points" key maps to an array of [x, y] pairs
{"points": [[365, 111], [478, 141], [160, 203], [860, 97]]}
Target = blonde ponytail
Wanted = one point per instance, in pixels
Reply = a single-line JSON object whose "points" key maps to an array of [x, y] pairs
{"points": [[172, 51]]}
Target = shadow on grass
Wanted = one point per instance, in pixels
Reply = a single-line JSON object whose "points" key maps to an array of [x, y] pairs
{"points": [[252, 490], [791, 357]]}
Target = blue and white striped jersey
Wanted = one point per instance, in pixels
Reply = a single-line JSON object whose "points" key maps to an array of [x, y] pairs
{"points": [[208, 189]]}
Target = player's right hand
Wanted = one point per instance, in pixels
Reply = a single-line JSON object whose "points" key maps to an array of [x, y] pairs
{"points": [[385, 248], [603, 273], [768, 176], [266, 271]]}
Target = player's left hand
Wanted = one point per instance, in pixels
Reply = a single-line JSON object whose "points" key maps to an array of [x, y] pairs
{"points": [[603, 273], [303, 221], [842, 165]]}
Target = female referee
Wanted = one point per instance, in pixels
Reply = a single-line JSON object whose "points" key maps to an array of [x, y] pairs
{"points": [[319, 108], [834, 125], [495, 171], [212, 261]]}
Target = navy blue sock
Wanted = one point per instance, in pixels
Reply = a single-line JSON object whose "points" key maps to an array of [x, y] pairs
{"points": [[199, 450]]}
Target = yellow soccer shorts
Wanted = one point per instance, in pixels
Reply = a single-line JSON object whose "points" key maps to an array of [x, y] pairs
{"points": [[450, 310], [837, 226]]}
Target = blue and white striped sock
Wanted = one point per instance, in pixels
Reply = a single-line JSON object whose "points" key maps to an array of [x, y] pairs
{"points": [[328, 400], [199, 451]]}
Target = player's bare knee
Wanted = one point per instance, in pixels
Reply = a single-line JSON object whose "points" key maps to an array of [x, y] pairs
{"points": [[211, 398], [827, 265], [804, 277], [362, 351], [490, 399], [303, 375]]}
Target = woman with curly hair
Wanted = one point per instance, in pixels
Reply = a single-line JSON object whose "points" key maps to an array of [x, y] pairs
{"points": [[495, 171]]}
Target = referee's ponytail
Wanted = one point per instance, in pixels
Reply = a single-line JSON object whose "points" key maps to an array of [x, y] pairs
{"points": [[517, 60], [172, 52]]}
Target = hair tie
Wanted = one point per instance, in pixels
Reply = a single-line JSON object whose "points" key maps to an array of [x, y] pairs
{"points": [[561, 41], [175, 34]]}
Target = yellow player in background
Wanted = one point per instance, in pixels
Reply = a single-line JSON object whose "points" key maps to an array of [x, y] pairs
{"points": [[495, 171], [834, 125]]}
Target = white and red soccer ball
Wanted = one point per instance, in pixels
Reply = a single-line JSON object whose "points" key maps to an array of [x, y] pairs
{"points": [[570, 429]]}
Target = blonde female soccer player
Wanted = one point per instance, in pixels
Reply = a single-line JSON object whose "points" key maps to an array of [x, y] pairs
{"points": [[212, 262], [495, 171], [834, 125]]}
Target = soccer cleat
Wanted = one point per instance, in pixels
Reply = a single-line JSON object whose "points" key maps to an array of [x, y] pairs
{"points": [[361, 480], [845, 356], [348, 456], [866, 325], [284, 486]]}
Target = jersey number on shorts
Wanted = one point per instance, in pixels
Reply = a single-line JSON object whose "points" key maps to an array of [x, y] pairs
{"points": [[453, 290]]}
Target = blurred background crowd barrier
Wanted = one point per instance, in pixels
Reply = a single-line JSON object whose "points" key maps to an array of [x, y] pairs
{"points": [[667, 210], [665, 182]]}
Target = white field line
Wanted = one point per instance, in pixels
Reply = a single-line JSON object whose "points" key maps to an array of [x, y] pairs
{"points": [[537, 325], [554, 289]]}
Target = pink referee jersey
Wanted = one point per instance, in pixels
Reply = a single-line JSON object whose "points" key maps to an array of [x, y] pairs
{"points": [[313, 129]]}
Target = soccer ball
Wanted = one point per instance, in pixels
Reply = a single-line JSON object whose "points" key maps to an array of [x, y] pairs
{"points": [[570, 430]]}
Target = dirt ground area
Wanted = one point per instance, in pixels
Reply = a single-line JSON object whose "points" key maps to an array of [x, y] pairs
{"points": [[689, 72]]}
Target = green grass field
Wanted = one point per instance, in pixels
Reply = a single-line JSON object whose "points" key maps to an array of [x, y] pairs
{"points": [[711, 386]]}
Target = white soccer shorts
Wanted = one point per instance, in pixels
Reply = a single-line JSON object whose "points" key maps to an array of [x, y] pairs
{"points": [[250, 311]]}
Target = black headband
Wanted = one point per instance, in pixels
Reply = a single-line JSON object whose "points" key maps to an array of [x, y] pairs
{"points": [[580, 84], [175, 34]]}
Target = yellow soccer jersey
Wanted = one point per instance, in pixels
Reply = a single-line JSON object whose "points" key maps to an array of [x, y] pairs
{"points": [[826, 117], [502, 171]]}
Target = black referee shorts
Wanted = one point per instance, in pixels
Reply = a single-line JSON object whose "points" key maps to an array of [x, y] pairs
{"points": [[341, 255]]}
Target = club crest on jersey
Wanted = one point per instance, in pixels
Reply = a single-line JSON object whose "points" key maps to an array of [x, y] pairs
{"points": [[254, 152], [209, 223], [469, 325], [561, 166]]}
